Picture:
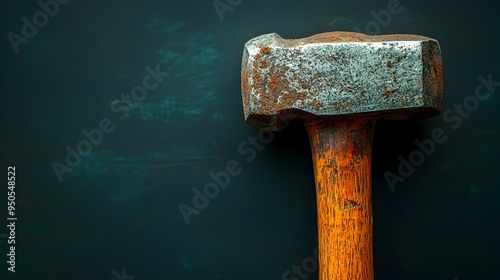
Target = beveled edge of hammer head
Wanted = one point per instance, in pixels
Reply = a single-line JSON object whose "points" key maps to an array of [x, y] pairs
{"points": [[340, 75]]}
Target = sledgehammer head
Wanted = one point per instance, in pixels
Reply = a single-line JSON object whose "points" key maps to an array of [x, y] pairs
{"points": [[340, 74]]}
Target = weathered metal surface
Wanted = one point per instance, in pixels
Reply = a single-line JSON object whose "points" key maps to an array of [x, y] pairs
{"points": [[340, 73]]}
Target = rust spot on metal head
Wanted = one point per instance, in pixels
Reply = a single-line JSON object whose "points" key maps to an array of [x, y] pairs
{"points": [[244, 88], [405, 103], [438, 70], [389, 93], [255, 75], [273, 82], [265, 50]]}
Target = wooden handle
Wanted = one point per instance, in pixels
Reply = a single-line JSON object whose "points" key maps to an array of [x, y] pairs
{"points": [[342, 152]]}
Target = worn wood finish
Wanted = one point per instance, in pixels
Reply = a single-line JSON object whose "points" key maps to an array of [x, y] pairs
{"points": [[342, 151]]}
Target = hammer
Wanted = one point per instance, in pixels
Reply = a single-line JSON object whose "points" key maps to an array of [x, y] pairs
{"points": [[339, 84]]}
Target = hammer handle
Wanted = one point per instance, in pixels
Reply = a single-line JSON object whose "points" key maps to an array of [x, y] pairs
{"points": [[342, 152]]}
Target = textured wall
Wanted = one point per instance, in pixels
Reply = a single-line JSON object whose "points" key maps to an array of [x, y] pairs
{"points": [[122, 115]]}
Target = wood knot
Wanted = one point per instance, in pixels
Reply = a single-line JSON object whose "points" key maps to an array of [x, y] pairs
{"points": [[350, 204]]}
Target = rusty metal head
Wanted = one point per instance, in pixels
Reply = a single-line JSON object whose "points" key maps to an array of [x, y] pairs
{"points": [[340, 74]]}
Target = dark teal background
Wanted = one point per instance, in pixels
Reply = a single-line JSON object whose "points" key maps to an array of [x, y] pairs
{"points": [[119, 207]]}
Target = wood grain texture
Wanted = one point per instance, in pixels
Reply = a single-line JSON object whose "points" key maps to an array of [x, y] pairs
{"points": [[342, 152]]}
